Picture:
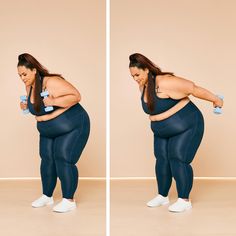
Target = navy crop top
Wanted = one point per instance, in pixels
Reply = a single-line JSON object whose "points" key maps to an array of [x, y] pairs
{"points": [[42, 111], [160, 104]]}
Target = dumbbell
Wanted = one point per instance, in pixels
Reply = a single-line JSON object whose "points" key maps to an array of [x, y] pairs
{"points": [[23, 99], [45, 94], [217, 110]]}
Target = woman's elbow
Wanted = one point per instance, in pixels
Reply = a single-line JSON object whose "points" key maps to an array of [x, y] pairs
{"points": [[193, 89], [78, 97]]}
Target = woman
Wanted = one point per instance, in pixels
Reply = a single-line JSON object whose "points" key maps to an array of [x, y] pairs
{"points": [[177, 124], [63, 132]]}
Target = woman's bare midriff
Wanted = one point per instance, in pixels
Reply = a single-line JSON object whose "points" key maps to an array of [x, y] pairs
{"points": [[183, 102]]}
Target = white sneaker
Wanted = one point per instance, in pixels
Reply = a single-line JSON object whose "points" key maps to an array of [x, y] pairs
{"points": [[64, 206], [159, 200], [42, 201], [180, 205]]}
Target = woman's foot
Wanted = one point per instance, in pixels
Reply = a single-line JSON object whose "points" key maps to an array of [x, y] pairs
{"points": [[42, 201], [180, 205], [65, 205], [159, 200]]}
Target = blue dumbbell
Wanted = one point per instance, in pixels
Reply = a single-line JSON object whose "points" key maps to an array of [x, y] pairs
{"points": [[217, 110], [23, 99], [44, 95]]}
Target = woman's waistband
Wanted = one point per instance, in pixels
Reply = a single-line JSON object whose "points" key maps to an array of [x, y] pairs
{"points": [[189, 108], [73, 111], [183, 113]]}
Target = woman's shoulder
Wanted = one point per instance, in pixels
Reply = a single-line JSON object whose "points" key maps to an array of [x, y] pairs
{"points": [[162, 80], [173, 82], [51, 80], [169, 79]]}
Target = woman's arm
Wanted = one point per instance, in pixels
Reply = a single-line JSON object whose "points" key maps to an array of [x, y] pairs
{"points": [[188, 87], [65, 100], [204, 94], [61, 93]]}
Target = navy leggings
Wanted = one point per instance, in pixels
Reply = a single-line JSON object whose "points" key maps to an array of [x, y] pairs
{"points": [[176, 140], [62, 141]]}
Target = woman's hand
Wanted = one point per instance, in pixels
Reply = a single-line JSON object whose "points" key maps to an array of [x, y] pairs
{"points": [[218, 102], [23, 105]]}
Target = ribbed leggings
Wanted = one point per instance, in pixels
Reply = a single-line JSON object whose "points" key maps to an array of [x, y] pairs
{"points": [[61, 143], [176, 140]]}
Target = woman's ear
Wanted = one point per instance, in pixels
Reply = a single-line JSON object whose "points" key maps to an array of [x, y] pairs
{"points": [[146, 70], [34, 70]]}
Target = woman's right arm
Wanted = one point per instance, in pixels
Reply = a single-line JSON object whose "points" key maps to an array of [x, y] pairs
{"points": [[24, 106]]}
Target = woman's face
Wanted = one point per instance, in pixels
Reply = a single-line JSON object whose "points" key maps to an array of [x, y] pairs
{"points": [[139, 75], [27, 75]]}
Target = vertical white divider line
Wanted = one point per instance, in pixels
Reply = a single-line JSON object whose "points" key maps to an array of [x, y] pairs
{"points": [[107, 117]]}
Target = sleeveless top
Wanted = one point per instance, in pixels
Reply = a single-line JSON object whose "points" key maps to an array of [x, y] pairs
{"points": [[160, 104], [42, 107]]}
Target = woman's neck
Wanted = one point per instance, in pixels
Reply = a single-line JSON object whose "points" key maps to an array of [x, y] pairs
{"points": [[33, 85]]}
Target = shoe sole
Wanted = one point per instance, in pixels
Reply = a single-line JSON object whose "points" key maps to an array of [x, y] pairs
{"points": [[165, 203], [73, 208], [188, 208], [47, 204]]}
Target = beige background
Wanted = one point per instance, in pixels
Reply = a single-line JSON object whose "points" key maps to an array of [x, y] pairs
{"points": [[67, 37], [193, 39]]}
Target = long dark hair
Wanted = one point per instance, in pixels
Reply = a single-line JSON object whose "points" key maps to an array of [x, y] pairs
{"points": [[30, 62], [140, 61]]}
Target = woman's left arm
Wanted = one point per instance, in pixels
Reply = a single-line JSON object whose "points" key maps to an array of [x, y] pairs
{"points": [[188, 87], [65, 101], [203, 93], [61, 93]]}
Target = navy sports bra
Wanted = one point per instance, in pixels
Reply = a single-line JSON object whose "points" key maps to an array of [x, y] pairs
{"points": [[42, 111], [160, 104]]}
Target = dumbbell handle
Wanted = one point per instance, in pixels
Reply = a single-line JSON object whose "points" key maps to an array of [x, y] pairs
{"points": [[45, 94]]}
